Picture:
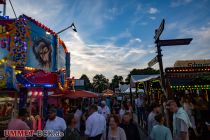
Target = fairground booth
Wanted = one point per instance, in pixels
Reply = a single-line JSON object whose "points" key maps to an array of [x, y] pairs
{"points": [[34, 63], [190, 77], [191, 80], [147, 85]]}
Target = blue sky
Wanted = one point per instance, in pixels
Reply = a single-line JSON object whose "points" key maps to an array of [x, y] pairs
{"points": [[115, 36]]}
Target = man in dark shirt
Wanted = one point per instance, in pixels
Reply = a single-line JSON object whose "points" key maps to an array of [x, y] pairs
{"points": [[130, 128]]}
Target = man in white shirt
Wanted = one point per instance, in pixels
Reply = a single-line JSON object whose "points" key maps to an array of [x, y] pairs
{"points": [[104, 110], [139, 102], [95, 124], [78, 115], [54, 125]]}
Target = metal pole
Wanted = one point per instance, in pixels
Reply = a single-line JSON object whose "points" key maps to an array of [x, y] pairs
{"points": [[4, 9], [131, 95], [161, 68]]}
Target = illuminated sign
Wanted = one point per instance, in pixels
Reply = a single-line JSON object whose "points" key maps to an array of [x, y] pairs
{"points": [[192, 63]]}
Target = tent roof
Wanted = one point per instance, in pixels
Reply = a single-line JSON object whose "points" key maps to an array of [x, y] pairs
{"points": [[80, 94], [133, 90], [124, 87], [143, 78]]}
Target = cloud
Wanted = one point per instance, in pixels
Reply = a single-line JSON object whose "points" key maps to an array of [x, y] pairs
{"points": [[152, 10], [104, 58], [123, 35], [111, 13], [152, 18], [143, 23], [197, 49], [139, 7], [172, 26], [176, 3], [37, 10]]}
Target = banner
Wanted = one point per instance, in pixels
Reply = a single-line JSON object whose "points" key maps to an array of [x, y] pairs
{"points": [[42, 52], [7, 77]]}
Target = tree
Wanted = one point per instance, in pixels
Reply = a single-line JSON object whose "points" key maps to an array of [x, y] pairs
{"points": [[141, 72], [100, 82], [86, 81], [116, 81]]}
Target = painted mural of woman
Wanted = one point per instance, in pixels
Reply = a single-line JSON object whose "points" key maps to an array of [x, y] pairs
{"points": [[42, 50]]}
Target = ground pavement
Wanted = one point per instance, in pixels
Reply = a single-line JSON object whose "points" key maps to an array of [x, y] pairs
{"points": [[142, 131]]}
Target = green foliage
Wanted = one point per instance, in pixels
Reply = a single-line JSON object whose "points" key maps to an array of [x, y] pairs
{"points": [[100, 83], [116, 81]]}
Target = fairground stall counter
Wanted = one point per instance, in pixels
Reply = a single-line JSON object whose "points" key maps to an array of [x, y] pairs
{"points": [[34, 62]]}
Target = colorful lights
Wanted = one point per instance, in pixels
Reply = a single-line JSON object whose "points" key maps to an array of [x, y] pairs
{"points": [[35, 93], [18, 72], [191, 87], [187, 69], [3, 61], [29, 68]]}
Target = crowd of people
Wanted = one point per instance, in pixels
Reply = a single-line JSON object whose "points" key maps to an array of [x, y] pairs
{"points": [[112, 119]]}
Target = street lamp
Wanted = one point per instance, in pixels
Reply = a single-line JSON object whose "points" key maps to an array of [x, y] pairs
{"points": [[71, 26]]}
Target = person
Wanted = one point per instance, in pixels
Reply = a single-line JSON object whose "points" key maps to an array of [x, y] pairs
{"points": [[19, 124], [42, 50], [151, 118], [78, 115], [71, 132], [130, 108], [159, 131], [139, 102], [188, 107], [55, 123], [104, 110], [114, 132], [131, 129], [181, 121], [164, 109], [116, 106], [60, 111], [95, 124], [122, 111]]}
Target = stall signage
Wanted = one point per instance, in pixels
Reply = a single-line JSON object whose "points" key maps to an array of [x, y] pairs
{"points": [[192, 63]]}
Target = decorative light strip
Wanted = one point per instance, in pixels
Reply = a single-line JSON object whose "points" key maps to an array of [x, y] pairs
{"points": [[187, 69], [191, 87]]}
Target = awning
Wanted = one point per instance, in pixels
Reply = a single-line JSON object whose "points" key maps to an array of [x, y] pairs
{"points": [[38, 78], [107, 92], [143, 78], [80, 94]]}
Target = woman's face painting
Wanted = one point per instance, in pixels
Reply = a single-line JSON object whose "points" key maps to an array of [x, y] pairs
{"points": [[44, 52]]}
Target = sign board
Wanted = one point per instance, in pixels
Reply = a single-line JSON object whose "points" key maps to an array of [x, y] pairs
{"points": [[153, 61], [172, 42], [159, 31], [192, 63]]}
